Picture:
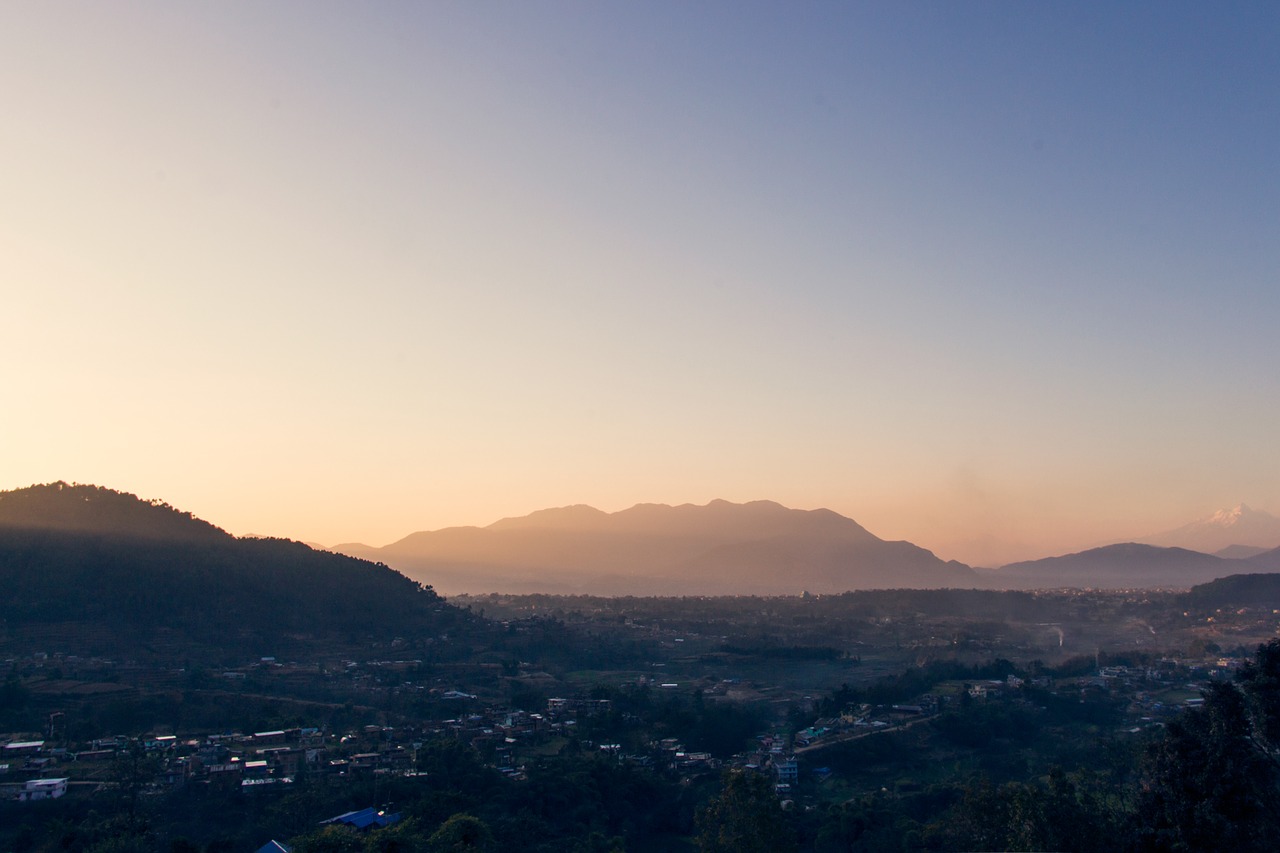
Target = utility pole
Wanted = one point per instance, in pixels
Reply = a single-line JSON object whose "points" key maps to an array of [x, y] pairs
{"points": [[52, 717]]}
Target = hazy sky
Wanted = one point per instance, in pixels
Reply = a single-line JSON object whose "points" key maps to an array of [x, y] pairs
{"points": [[998, 278]]}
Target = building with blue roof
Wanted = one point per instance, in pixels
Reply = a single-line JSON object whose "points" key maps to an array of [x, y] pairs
{"points": [[363, 820]]}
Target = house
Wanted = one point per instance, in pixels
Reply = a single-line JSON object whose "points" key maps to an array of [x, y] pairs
{"points": [[284, 760], [274, 846], [42, 789], [363, 820], [228, 775], [810, 734]]}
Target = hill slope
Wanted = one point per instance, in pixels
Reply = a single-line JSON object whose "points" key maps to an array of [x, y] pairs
{"points": [[94, 509], [1267, 561], [1117, 566], [720, 548], [1254, 590], [86, 565]]}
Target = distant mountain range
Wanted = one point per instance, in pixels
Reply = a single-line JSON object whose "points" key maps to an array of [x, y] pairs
{"points": [[722, 548], [1227, 542], [1129, 565], [1237, 532], [764, 548], [108, 555]]}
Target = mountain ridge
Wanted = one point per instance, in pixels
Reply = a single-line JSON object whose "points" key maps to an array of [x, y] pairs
{"points": [[93, 567], [757, 547], [1120, 565], [81, 508], [1241, 525]]}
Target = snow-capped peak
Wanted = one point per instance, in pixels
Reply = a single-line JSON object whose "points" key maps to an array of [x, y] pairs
{"points": [[1240, 525], [1229, 517]]}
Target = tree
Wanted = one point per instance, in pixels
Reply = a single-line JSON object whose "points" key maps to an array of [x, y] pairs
{"points": [[744, 818], [404, 836], [1207, 784], [1260, 681], [461, 833], [1066, 812], [872, 823], [330, 839], [14, 697], [131, 771]]}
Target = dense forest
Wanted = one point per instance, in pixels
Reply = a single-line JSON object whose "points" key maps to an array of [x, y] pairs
{"points": [[124, 575]]}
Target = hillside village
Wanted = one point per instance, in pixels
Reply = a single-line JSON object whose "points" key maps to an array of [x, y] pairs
{"points": [[50, 764], [152, 684]]}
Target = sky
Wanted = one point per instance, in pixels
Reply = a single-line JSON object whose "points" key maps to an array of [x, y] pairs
{"points": [[997, 278]]}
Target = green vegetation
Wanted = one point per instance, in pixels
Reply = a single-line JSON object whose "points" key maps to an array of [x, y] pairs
{"points": [[744, 818], [158, 658], [1208, 777], [111, 575]]}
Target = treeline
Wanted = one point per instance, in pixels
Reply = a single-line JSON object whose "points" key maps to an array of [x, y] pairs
{"points": [[783, 652], [1209, 779], [912, 682], [105, 573], [220, 594], [1252, 590], [701, 610], [94, 509]]}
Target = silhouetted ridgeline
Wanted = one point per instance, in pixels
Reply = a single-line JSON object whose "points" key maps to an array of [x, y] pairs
{"points": [[98, 563], [722, 548], [94, 509], [1259, 590], [1126, 565], [756, 548]]}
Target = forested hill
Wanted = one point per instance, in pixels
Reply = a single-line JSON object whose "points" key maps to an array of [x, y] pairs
{"points": [[94, 509], [88, 566], [1246, 590]]}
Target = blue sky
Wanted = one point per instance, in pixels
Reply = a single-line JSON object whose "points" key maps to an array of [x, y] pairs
{"points": [[998, 278]]}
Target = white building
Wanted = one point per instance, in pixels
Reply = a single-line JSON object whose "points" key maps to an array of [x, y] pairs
{"points": [[42, 789]]}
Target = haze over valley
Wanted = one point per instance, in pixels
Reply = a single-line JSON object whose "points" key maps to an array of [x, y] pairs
{"points": [[575, 427], [161, 674], [763, 548], [758, 548]]}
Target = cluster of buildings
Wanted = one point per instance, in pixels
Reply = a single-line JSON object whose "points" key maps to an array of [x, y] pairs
{"points": [[29, 758], [34, 769]]}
